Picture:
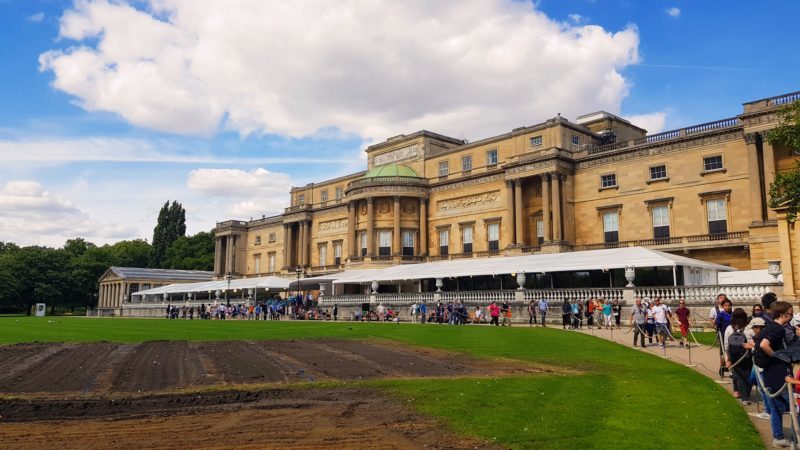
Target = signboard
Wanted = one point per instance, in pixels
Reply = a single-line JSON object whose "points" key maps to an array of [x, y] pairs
{"points": [[40, 309], [394, 156]]}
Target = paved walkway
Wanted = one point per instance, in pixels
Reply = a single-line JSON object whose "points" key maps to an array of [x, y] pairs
{"points": [[704, 359]]}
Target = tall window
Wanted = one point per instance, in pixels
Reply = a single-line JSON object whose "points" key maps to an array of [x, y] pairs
{"points": [[660, 222], [408, 243], [324, 196], [444, 168], [257, 263], [338, 193], [608, 181], [466, 163], [466, 239], [385, 243], [717, 216], [536, 141], [323, 254], [494, 236], [491, 157], [271, 262], [658, 172], [301, 199], [576, 140], [712, 163], [337, 253], [444, 242], [363, 238], [540, 231], [611, 227]]}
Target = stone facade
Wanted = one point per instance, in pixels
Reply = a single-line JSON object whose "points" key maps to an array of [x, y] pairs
{"points": [[118, 283], [556, 186]]}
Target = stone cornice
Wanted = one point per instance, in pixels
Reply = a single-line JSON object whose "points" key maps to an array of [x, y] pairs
{"points": [[551, 164]]}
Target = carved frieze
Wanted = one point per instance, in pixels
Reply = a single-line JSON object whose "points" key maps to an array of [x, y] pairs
{"points": [[332, 226], [469, 202], [397, 155], [467, 183]]}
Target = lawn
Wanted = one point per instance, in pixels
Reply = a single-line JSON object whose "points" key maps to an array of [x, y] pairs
{"points": [[621, 397]]}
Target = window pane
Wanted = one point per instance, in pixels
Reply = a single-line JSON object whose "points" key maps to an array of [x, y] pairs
{"points": [[491, 157], [660, 216], [337, 250], [364, 240], [658, 172], [444, 168], [712, 163], [610, 222], [408, 239], [385, 239], [661, 232], [536, 141], [611, 236], [257, 263], [466, 163], [609, 180], [323, 255], [338, 193], [539, 228], [716, 209], [466, 235], [324, 196], [272, 262]]}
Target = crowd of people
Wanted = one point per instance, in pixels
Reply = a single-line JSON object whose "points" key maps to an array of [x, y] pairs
{"points": [[597, 312], [296, 307]]}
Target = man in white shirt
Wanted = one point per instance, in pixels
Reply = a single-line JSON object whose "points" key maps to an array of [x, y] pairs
{"points": [[712, 313], [660, 314]]}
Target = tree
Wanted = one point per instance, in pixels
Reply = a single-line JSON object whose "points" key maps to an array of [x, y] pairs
{"points": [[191, 253], [40, 276], [170, 226], [135, 253], [785, 191]]}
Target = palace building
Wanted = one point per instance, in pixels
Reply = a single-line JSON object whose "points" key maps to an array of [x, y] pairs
{"points": [[595, 182]]}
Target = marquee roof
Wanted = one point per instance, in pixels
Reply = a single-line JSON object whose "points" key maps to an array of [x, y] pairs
{"points": [[540, 263], [276, 283], [159, 274]]}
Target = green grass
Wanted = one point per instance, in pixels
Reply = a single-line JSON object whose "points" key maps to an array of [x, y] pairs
{"points": [[621, 398]]}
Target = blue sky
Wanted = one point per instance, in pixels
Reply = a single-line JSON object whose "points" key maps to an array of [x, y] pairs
{"points": [[107, 109]]}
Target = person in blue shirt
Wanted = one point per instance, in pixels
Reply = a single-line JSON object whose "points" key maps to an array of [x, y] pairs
{"points": [[543, 310]]}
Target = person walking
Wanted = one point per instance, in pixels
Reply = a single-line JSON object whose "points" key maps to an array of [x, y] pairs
{"points": [[616, 310], [683, 314], [737, 358], [335, 312], [423, 312], [607, 312], [494, 313], [543, 310], [505, 310], [598, 313], [532, 313], [566, 310], [659, 312], [638, 318], [767, 342]]}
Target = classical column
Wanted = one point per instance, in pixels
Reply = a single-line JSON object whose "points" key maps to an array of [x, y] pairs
{"points": [[285, 245], [396, 230], [754, 178], [289, 246], [556, 182], [423, 226], [307, 248], [769, 173], [510, 208], [351, 229], [370, 225], [101, 294], [217, 251], [228, 255], [548, 236], [519, 233], [301, 261]]}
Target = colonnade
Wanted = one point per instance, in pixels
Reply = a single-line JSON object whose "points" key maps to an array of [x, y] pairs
{"points": [[225, 254], [552, 208], [352, 232], [111, 294], [761, 167]]}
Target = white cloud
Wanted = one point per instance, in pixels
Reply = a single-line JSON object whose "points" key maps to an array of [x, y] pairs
{"points": [[247, 193], [652, 122], [38, 17], [30, 214], [375, 69], [673, 12], [576, 18]]}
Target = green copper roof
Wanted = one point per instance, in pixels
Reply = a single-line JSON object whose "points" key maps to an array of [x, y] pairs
{"points": [[391, 170]]}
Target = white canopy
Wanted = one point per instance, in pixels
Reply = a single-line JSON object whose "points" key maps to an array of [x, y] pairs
{"points": [[277, 283], [341, 277], [617, 258]]}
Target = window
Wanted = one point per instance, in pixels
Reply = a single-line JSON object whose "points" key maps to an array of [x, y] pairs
{"points": [[272, 237], [536, 141], [444, 168], [712, 163], [658, 172], [363, 243], [491, 157], [608, 181], [271, 262], [323, 254], [444, 242], [466, 240], [385, 243], [337, 253], [660, 222], [576, 140], [717, 216], [611, 227], [257, 263], [258, 240], [466, 163], [408, 243], [301, 199], [324, 196], [338, 193], [540, 231], [494, 236]]}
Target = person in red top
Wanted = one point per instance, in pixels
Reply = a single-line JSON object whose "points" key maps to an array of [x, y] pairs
{"points": [[494, 311], [683, 319]]}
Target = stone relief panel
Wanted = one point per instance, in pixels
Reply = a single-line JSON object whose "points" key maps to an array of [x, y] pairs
{"points": [[468, 203], [397, 155], [332, 226]]}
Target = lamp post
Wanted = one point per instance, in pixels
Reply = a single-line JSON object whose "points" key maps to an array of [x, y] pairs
{"points": [[228, 277]]}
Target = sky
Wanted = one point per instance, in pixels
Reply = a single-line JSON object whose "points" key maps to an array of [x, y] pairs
{"points": [[110, 108]]}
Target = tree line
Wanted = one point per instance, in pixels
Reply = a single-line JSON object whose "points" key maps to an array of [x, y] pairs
{"points": [[66, 278]]}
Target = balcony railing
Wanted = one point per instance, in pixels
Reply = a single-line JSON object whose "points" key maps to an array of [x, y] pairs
{"points": [[487, 253], [734, 237], [391, 181], [784, 99]]}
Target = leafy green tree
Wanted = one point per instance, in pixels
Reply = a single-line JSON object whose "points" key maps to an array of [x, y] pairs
{"points": [[170, 226], [40, 276], [191, 253], [785, 191], [7, 247], [134, 253]]}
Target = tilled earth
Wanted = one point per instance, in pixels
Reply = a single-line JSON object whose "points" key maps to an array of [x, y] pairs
{"points": [[221, 394]]}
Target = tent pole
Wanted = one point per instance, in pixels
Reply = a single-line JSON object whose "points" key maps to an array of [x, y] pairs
{"points": [[674, 276]]}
